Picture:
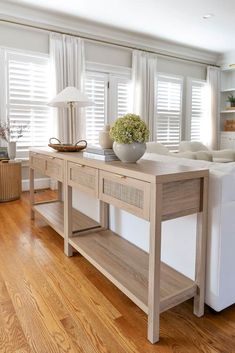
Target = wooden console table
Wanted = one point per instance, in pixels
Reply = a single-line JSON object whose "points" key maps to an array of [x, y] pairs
{"points": [[154, 191]]}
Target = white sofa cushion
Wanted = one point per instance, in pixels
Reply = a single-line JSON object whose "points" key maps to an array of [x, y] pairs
{"points": [[188, 155], [155, 147], [192, 146], [203, 156]]}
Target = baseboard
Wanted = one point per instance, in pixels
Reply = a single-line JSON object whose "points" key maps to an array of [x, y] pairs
{"points": [[40, 183]]}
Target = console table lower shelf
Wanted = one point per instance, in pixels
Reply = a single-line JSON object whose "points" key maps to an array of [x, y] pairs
{"points": [[121, 262], [126, 266], [53, 213]]}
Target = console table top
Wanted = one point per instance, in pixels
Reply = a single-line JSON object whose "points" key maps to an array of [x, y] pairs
{"points": [[146, 170]]}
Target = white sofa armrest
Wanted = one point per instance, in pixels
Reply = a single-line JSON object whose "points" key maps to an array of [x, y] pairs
{"points": [[223, 156]]}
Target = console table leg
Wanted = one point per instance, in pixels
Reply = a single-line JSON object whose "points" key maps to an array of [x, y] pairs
{"points": [[104, 215], [60, 196], [200, 268], [68, 250], [154, 264], [31, 192]]}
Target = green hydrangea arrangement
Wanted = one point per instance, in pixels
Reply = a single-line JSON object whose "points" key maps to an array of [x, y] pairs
{"points": [[128, 129]]}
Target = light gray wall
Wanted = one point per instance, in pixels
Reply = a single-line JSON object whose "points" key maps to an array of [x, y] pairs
{"points": [[19, 37], [107, 54], [13, 36]]}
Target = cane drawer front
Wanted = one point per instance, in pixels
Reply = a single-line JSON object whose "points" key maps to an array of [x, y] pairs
{"points": [[181, 198], [126, 193], [54, 168], [84, 178], [37, 161]]}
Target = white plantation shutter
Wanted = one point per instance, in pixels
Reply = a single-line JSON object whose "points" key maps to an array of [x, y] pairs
{"points": [[197, 110], [111, 94], [27, 98], [123, 97], [169, 110], [96, 90]]}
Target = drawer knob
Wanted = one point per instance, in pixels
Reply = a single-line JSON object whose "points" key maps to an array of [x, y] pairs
{"points": [[121, 176], [80, 165]]}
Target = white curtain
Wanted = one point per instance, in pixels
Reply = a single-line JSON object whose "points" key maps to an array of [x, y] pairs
{"points": [[144, 74], [213, 80], [68, 65]]}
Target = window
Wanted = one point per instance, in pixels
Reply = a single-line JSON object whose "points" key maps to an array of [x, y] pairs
{"points": [[111, 95], [96, 89], [27, 87], [197, 101], [169, 110]]}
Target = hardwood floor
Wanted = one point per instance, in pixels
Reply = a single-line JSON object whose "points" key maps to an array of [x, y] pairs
{"points": [[50, 303]]}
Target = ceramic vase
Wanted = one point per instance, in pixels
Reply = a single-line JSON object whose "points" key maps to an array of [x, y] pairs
{"points": [[129, 152], [12, 150], [105, 140]]}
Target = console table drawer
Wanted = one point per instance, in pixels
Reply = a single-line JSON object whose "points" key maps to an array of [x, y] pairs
{"points": [[84, 178], [54, 168], [127, 193], [38, 162]]}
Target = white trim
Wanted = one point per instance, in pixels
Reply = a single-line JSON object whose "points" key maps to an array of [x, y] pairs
{"points": [[188, 108], [40, 183], [68, 24], [110, 69]]}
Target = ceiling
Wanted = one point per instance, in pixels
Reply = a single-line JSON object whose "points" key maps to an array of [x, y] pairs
{"points": [[175, 20]]}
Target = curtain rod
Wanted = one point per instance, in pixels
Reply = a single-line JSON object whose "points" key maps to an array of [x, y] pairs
{"points": [[106, 42]]}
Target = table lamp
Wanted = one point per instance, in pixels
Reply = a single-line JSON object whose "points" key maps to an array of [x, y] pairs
{"points": [[70, 97]]}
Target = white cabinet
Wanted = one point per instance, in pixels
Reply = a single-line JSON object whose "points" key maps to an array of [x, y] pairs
{"points": [[227, 140]]}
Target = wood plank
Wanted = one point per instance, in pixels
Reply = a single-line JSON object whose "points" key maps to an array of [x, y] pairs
{"points": [[53, 214], [12, 337], [127, 267]]}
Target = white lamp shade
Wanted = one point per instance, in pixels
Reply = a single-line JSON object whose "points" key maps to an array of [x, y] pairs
{"points": [[70, 95]]}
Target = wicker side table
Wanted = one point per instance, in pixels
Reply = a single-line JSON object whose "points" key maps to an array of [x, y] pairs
{"points": [[10, 180]]}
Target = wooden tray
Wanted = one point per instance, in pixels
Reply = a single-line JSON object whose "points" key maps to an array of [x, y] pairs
{"points": [[60, 147]]}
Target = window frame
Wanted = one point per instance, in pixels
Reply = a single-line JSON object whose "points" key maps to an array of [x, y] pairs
{"points": [[181, 81], [101, 75], [114, 74], [189, 85], [5, 55]]}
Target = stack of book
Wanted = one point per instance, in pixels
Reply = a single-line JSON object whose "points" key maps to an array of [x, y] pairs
{"points": [[102, 154]]}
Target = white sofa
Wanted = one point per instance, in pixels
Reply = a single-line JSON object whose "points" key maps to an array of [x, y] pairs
{"points": [[220, 275], [219, 156]]}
